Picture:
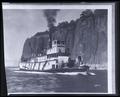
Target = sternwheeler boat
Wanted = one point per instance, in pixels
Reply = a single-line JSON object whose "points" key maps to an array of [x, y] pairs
{"points": [[56, 59]]}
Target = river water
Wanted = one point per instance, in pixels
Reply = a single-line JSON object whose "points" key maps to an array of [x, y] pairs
{"points": [[37, 82]]}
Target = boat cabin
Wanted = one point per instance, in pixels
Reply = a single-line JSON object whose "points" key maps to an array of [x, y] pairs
{"points": [[57, 47]]}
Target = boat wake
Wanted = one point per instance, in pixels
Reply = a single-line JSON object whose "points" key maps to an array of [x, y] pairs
{"points": [[91, 73], [72, 73], [32, 72], [65, 73]]}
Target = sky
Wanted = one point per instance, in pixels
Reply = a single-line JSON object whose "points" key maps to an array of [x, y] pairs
{"points": [[20, 24]]}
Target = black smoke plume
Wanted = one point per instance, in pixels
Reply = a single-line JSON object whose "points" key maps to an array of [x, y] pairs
{"points": [[50, 15]]}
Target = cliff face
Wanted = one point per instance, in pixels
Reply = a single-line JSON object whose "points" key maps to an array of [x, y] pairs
{"points": [[91, 37], [35, 45], [87, 36]]}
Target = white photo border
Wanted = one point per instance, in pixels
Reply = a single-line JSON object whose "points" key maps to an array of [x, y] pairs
{"points": [[111, 34]]}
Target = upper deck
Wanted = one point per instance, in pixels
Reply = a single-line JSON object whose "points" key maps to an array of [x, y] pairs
{"points": [[57, 47]]}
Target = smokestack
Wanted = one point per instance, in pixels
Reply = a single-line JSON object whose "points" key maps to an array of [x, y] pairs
{"points": [[50, 15]]}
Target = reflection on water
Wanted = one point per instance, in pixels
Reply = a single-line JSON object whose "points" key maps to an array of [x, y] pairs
{"points": [[18, 81]]}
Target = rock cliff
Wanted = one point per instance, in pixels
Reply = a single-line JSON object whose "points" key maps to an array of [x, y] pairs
{"points": [[86, 36]]}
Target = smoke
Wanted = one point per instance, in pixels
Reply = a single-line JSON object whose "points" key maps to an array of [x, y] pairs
{"points": [[50, 15]]}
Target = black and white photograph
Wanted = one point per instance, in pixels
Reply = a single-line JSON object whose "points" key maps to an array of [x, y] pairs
{"points": [[59, 48]]}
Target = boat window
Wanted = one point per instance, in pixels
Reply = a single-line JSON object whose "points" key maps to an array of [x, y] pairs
{"points": [[62, 42], [53, 66], [55, 42], [58, 42], [55, 55], [56, 61], [59, 50], [56, 66]]}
